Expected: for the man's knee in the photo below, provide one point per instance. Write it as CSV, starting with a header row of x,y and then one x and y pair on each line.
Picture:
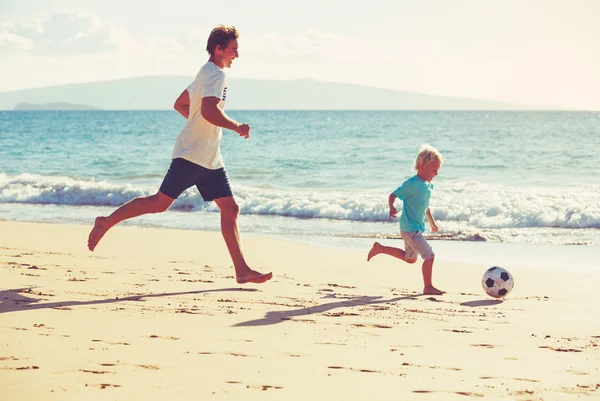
x,y
230,209
161,202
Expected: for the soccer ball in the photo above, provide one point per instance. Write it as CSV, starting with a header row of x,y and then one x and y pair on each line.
x,y
497,282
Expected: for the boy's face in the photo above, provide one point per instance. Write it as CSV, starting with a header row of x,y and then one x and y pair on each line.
x,y
430,170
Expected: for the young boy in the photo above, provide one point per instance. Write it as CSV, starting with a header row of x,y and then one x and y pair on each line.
x,y
415,193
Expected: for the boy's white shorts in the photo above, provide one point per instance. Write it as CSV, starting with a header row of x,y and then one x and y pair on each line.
x,y
416,243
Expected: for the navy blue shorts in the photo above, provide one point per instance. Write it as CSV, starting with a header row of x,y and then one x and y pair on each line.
x,y
183,174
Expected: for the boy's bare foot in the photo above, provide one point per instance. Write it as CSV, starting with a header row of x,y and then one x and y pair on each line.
x,y
431,290
252,276
97,232
375,250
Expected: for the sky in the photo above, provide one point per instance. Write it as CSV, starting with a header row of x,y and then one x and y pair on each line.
x,y
536,52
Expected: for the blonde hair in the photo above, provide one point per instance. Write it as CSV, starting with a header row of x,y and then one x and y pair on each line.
x,y
426,155
220,36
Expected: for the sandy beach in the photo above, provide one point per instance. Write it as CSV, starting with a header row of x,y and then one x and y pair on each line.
x,y
155,314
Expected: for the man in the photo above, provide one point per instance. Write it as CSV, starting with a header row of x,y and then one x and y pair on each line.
x,y
196,159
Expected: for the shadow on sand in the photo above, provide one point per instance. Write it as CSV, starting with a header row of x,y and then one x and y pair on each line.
x,y
482,302
14,301
275,317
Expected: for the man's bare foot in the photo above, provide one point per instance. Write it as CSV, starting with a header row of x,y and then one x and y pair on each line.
x,y
431,290
375,250
252,276
97,232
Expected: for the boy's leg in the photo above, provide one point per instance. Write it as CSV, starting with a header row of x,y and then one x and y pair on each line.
x,y
231,233
427,270
156,203
388,250
418,242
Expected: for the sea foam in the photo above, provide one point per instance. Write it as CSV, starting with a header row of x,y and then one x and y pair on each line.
x,y
475,204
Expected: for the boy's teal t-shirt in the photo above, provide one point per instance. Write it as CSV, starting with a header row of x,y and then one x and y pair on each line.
x,y
414,194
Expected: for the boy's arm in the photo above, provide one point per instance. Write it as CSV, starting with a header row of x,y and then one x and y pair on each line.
x,y
213,114
393,212
182,104
434,227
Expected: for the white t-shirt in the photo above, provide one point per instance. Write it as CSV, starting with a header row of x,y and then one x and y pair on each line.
x,y
199,141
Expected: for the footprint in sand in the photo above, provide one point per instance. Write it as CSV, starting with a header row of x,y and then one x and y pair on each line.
x,y
353,369
339,314
163,338
430,366
560,349
509,378
466,393
193,311
97,372
77,279
577,373
110,343
21,368
262,387
521,393
188,280
149,367
458,331
144,366
103,385
341,286
377,326
226,353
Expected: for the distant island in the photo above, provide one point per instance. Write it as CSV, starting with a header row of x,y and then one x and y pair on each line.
x,y
54,106
160,92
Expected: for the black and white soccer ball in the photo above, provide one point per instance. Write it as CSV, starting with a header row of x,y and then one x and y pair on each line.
x,y
497,282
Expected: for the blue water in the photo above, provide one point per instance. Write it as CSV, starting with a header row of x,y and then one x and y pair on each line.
x,y
517,177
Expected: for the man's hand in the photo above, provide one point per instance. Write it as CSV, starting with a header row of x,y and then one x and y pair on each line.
x,y
243,130
393,212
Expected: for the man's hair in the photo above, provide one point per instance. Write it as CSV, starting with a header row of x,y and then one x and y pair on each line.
x,y
220,36
426,155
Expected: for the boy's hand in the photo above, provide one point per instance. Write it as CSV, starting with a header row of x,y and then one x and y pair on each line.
x,y
393,212
434,228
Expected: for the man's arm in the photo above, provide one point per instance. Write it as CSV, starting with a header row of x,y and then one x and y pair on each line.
x,y
434,227
213,114
182,104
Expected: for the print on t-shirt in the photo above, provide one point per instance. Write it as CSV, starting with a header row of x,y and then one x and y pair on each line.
x,y
224,97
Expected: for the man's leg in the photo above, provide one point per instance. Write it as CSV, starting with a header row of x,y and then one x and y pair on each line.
x,y
389,250
231,233
156,203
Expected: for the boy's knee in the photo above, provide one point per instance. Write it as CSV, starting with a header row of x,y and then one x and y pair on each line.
x,y
411,261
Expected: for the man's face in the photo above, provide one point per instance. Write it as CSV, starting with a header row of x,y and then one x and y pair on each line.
x,y
230,53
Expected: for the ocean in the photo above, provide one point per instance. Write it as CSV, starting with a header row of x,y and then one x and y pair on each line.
x,y
319,176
